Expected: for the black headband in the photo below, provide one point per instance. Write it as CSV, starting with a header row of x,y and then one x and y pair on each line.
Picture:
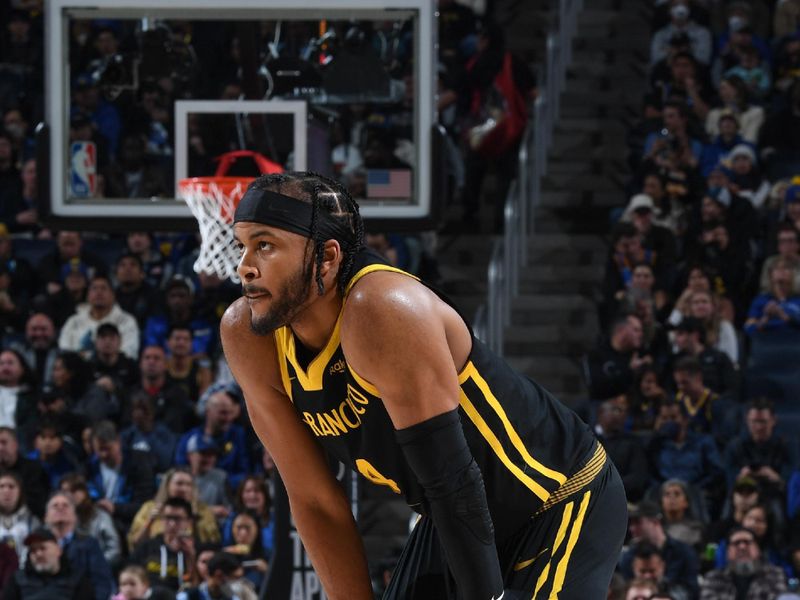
x,y
290,214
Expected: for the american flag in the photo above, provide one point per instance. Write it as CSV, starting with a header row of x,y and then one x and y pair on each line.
x,y
388,183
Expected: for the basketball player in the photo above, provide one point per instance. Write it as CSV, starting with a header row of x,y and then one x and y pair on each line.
x,y
338,351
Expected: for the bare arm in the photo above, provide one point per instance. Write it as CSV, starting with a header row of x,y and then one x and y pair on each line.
x,y
409,344
319,507
387,336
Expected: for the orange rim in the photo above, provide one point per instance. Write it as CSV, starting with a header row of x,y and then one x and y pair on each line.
x,y
234,187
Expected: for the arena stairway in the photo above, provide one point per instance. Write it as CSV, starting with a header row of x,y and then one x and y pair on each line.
x,y
554,318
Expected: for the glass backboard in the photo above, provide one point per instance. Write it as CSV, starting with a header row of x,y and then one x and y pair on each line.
x,y
141,93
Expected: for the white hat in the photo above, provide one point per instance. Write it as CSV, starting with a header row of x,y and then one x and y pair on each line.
x,y
641,201
742,150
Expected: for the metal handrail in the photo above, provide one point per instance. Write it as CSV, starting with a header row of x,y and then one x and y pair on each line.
x,y
510,252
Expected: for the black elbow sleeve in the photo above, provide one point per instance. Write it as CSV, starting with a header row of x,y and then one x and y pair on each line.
x,y
437,452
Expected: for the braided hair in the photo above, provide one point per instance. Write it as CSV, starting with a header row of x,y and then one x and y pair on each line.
x,y
327,195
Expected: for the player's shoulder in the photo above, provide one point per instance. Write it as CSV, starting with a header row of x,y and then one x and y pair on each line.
x,y
236,317
235,329
389,292
385,301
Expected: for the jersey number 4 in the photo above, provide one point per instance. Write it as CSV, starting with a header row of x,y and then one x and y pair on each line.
x,y
371,473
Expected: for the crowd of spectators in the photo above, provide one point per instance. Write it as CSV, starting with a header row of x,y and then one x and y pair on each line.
x,y
695,380
128,467
127,462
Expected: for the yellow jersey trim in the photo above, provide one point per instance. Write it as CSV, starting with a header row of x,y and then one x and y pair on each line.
x,y
371,269
287,384
363,382
527,563
579,480
353,280
561,570
463,376
562,532
495,444
311,380
509,428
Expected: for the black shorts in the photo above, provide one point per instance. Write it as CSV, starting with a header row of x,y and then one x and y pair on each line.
x,y
568,551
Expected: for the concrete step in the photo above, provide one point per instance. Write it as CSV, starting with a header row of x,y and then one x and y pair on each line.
x,y
596,166
591,125
601,40
587,144
600,82
592,17
544,273
554,363
547,301
612,97
565,257
580,199
533,342
581,181
550,333
604,111
553,372
590,64
594,220
541,241
555,315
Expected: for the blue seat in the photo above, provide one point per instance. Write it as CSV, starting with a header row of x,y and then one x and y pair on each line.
x,y
33,250
106,249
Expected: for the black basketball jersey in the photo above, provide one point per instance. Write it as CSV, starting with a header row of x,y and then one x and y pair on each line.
x,y
531,449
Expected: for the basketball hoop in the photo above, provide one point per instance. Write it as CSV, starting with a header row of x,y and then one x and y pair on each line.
x,y
213,201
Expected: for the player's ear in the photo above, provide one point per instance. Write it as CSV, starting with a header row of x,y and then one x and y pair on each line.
x,y
331,257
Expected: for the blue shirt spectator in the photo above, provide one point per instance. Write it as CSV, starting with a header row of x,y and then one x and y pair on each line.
x,y
148,435
678,453
50,452
728,138
89,100
221,412
179,298
119,482
780,307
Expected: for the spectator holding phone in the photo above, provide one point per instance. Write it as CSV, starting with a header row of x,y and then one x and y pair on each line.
x,y
169,557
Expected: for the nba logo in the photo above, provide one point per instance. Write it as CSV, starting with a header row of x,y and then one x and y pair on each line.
x,y
83,169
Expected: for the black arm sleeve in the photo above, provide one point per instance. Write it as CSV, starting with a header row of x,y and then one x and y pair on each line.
x,y
437,452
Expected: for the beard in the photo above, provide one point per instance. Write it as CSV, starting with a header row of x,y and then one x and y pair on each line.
x,y
286,304
47,569
744,568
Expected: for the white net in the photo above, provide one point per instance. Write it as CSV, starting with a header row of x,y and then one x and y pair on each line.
x,y
213,205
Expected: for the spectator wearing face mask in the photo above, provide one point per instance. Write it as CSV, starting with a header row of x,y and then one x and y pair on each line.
x,y
676,452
